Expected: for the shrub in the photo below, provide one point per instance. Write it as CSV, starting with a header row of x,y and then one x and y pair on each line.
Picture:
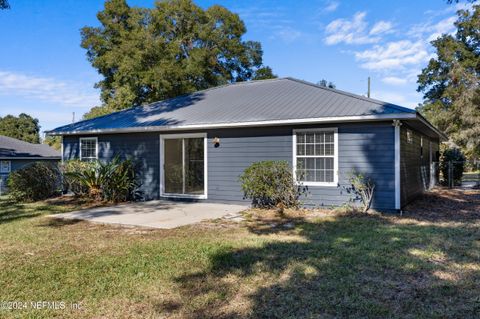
x,y
271,184
110,181
454,172
72,184
364,187
34,182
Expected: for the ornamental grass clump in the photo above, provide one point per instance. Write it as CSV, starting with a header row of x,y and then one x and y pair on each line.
x,y
113,181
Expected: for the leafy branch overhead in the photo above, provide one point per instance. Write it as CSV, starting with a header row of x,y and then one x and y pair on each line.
x,y
146,55
450,83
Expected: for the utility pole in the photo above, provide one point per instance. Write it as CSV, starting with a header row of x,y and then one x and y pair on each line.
x,y
73,117
368,91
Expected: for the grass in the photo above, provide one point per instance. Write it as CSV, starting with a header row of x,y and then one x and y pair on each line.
x,y
302,265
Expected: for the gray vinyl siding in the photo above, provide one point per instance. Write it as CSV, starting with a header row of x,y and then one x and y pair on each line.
x,y
415,169
365,147
142,148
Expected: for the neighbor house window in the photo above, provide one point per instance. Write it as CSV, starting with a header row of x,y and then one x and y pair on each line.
x,y
421,146
409,137
88,149
315,156
5,166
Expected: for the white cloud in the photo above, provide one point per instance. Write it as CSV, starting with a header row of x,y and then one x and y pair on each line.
x,y
356,30
381,27
393,55
393,80
47,89
406,100
331,6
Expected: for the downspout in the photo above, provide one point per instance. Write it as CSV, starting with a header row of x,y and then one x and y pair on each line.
x,y
397,124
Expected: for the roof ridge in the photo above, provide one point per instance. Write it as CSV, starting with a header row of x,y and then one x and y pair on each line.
x,y
353,95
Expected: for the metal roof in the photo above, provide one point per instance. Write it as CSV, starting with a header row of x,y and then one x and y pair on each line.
x,y
270,101
13,148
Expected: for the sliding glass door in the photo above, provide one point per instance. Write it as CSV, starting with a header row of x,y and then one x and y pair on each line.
x,y
183,165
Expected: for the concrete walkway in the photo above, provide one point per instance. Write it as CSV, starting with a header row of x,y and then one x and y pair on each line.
x,y
156,214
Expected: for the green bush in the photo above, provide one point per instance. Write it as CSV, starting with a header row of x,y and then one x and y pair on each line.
x,y
271,184
109,181
34,182
454,156
72,184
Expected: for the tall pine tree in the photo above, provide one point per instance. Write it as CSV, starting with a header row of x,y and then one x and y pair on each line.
x,y
450,83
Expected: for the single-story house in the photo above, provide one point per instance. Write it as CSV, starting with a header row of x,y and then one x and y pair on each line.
x,y
15,154
196,146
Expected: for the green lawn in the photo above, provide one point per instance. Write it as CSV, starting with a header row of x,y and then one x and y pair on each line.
x,y
424,264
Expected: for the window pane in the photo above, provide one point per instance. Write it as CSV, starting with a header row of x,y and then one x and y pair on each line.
x,y
319,137
194,166
300,138
320,175
301,163
310,149
309,175
319,150
310,162
310,138
320,163
329,149
300,149
329,163
329,176
173,167
329,137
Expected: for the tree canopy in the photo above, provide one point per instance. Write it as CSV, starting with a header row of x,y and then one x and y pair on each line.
x,y
450,83
146,55
327,84
24,127
4,5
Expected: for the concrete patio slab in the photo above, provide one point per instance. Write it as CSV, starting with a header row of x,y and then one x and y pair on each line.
x,y
156,214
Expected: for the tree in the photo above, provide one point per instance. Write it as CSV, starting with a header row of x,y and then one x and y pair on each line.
x,y
54,141
24,127
4,5
326,84
450,83
146,55
264,73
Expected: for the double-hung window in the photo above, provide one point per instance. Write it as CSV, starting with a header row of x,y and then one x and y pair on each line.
x,y
5,166
315,156
88,149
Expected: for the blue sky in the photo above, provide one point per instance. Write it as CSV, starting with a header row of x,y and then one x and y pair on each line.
x,y
44,72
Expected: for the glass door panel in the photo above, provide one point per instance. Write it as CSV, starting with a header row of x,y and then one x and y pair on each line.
x,y
194,168
173,168
184,170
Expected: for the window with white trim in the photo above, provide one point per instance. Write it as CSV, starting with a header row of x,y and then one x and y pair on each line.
x,y
88,149
5,166
315,156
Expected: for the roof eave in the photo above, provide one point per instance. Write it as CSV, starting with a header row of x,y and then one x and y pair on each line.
x,y
441,135
339,119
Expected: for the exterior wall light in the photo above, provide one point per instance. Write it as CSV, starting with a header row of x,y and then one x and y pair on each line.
x,y
216,142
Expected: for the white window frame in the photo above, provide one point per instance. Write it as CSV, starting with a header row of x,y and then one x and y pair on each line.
x,y
163,137
9,167
335,156
96,147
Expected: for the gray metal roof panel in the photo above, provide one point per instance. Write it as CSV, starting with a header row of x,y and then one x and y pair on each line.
x,y
13,148
267,100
